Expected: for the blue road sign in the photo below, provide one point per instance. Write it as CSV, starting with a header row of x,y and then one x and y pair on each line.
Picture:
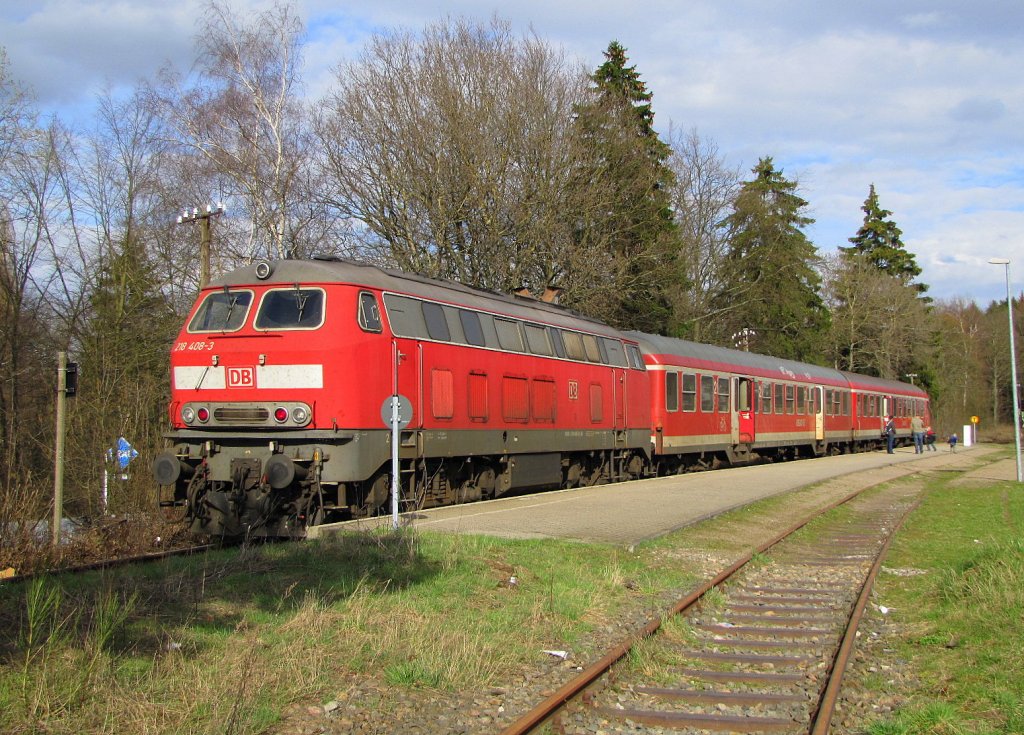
x,y
125,453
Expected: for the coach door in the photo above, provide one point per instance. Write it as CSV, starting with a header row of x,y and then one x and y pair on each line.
x,y
819,413
742,411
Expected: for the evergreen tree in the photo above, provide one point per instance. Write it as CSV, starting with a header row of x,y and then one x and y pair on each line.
x,y
771,290
878,239
629,167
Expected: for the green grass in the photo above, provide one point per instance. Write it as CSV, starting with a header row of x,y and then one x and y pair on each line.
x,y
962,622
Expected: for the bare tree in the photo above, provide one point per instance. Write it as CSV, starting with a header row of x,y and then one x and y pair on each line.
x,y
455,152
703,193
245,124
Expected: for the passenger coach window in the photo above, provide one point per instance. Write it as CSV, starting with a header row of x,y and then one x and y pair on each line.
x,y
801,395
707,394
766,397
222,311
369,313
291,308
780,392
723,395
671,391
689,392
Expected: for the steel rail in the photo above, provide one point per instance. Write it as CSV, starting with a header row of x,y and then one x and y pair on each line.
x,y
827,702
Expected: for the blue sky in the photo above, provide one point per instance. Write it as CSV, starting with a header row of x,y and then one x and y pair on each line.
x,y
923,99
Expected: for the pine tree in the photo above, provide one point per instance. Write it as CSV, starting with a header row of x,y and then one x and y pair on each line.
x,y
629,168
772,287
878,239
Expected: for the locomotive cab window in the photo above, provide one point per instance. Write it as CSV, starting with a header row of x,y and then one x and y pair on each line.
x,y
369,312
291,308
221,311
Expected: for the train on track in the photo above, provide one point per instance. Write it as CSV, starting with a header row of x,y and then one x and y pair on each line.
x,y
282,377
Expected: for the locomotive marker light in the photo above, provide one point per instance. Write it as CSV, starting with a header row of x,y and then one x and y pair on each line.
x,y
1013,363
396,412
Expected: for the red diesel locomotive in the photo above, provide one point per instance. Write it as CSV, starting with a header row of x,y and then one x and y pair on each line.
x,y
282,372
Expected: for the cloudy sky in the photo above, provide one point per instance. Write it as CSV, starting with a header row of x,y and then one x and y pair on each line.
x,y
925,100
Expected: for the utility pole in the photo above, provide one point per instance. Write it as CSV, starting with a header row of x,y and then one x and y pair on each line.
x,y
204,236
58,459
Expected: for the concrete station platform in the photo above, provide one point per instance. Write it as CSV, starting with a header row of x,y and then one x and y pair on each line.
x,y
627,513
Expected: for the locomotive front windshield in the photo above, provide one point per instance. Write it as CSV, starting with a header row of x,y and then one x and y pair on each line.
x,y
223,311
291,308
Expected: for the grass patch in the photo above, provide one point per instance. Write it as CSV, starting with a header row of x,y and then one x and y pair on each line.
x,y
226,642
962,622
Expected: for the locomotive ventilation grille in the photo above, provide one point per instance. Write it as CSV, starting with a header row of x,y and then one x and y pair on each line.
x,y
242,414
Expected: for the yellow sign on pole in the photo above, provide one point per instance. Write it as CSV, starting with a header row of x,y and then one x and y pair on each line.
x,y
975,419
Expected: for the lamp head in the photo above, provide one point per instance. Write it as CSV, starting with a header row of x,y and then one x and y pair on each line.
x,y
999,261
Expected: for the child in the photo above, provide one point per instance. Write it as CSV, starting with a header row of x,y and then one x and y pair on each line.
x,y
929,438
952,442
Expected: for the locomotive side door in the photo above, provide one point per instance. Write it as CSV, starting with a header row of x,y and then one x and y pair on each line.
x,y
619,397
743,411
407,376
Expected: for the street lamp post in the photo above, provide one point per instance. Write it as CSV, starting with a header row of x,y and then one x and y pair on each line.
x,y
1013,363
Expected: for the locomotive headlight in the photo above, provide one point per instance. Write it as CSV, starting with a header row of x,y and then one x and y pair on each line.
x,y
203,414
188,415
300,415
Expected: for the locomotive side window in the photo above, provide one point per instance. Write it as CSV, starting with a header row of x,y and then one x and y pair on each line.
x,y
222,311
613,349
369,313
471,326
509,336
707,394
437,325
689,392
574,345
591,348
636,361
556,341
671,391
405,316
537,339
291,308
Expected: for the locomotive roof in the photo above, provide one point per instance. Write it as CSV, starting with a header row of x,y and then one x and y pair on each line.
x,y
337,270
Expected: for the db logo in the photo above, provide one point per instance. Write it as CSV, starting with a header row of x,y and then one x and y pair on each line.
x,y
241,377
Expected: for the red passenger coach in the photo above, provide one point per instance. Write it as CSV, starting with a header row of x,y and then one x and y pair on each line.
x,y
712,405
281,373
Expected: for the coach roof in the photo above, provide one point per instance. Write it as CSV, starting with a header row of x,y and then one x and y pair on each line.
x,y
336,270
717,358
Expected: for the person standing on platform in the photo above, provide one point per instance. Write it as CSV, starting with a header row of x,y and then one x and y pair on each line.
x,y
917,431
890,435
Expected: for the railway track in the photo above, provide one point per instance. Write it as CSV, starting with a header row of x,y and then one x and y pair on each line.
x,y
765,651
113,563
